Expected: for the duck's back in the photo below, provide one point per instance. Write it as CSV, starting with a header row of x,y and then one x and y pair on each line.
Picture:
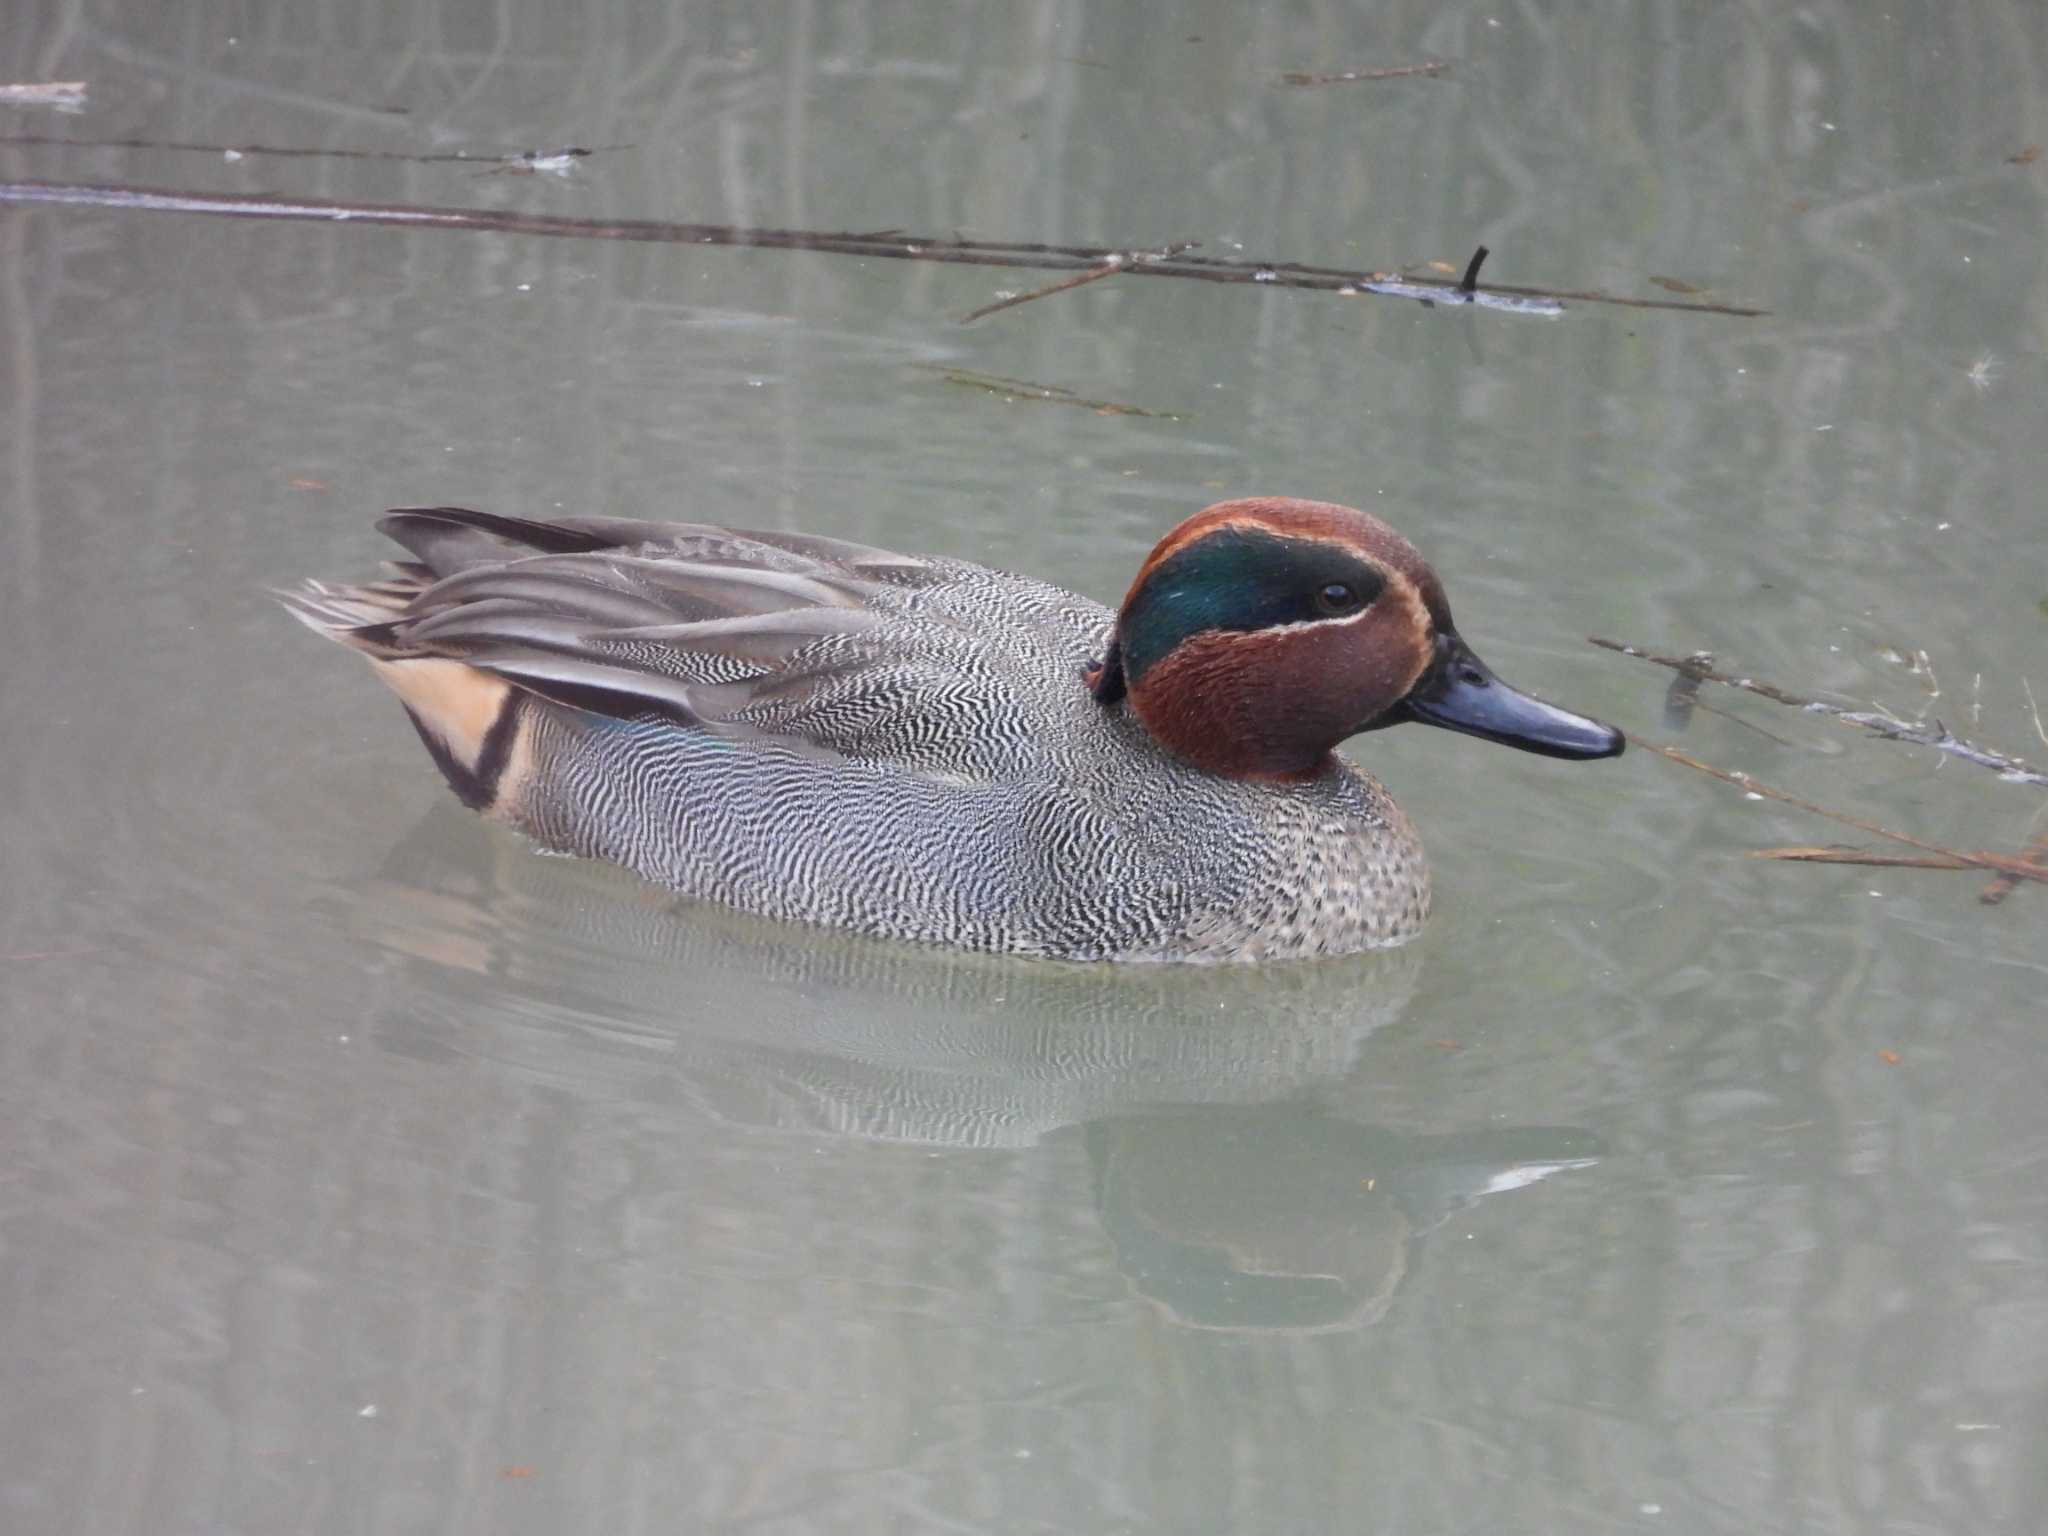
x,y
816,731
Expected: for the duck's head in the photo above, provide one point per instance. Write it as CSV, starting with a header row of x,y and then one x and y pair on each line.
x,y
1260,633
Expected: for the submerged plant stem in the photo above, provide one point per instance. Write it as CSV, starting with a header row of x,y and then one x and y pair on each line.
x,y
1979,859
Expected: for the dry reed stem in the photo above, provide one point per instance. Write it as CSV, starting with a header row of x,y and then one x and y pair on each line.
x,y
1837,855
1978,858
2005,884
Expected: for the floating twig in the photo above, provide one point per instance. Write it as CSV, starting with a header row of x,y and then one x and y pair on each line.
x,y
1840,855
1429,67
62,95
2003,885
1698,666
891,246
526,159
1977,858
1429,293
1505,295
2013,769
1117,262
1092,275
1049,394
1683,697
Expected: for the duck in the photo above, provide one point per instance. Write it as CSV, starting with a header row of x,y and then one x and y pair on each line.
x,y
922,748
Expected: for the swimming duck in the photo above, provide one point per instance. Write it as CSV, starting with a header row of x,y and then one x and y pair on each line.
x,y
927,749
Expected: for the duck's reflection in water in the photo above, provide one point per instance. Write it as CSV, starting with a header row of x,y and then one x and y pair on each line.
x,y
1232,1199
1277,1216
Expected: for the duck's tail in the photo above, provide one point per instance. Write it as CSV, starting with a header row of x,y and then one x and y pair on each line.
x,y
354,613
470,721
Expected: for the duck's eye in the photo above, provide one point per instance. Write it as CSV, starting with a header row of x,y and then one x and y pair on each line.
x,y
1337,597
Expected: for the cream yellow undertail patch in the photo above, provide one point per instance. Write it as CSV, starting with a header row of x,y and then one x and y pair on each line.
x,y
455,701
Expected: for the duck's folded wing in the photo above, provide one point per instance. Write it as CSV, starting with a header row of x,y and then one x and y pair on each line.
x,y
811,642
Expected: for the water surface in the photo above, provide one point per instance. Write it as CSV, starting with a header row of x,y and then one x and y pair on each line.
x,y
362,1170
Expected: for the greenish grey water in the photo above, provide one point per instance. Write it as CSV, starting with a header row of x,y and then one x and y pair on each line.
x,y
361,1170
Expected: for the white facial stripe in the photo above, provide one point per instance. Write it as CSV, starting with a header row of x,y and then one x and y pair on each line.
x,y
1398,589
1336,621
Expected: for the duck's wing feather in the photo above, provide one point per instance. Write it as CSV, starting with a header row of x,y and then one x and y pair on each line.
x,y
818,643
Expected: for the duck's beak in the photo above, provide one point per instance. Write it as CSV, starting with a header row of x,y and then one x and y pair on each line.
x,y
1460,693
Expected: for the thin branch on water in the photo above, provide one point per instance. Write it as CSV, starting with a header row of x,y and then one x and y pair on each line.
x,y
1429,67
1117,262
1938,736
1698,667
2003,885
1092,275
1683,697
515,158
888,245
1837,855
1048,394
1997,862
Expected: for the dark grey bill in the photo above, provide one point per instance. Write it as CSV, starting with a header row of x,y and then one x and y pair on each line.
x,y
1460,693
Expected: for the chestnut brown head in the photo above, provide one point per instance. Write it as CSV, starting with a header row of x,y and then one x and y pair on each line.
x,y
1260,633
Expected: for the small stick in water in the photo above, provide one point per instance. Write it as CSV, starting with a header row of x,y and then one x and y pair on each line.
x,y
1117,262
1505,298
527,159
1837,855
1050,394
1998,862
1429,67
2014,770
2005,884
